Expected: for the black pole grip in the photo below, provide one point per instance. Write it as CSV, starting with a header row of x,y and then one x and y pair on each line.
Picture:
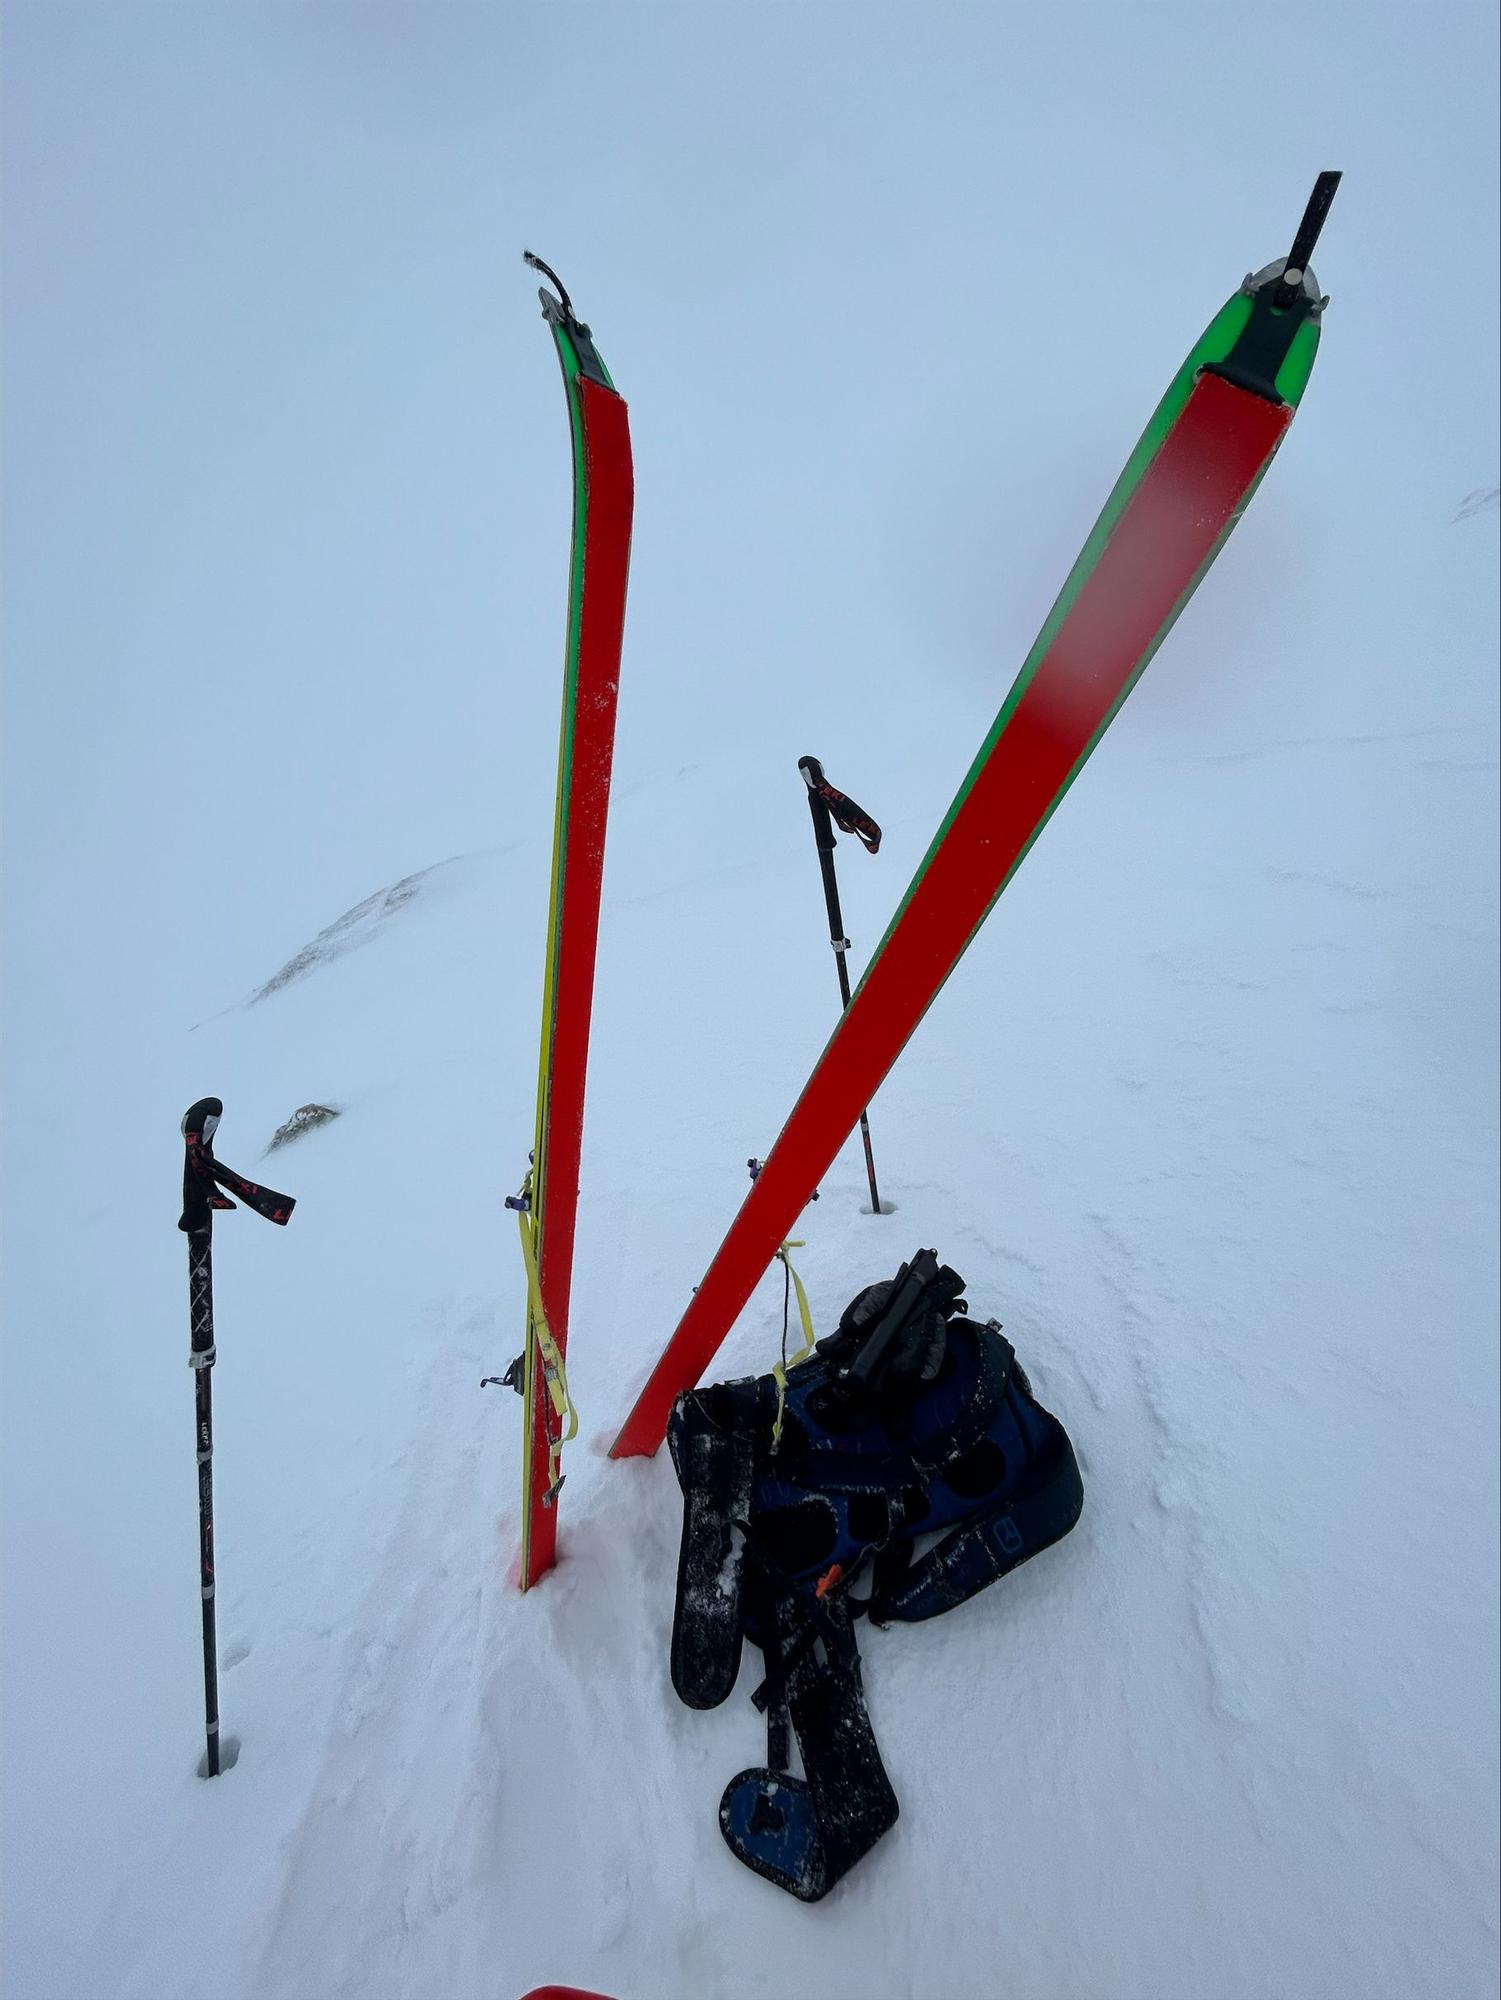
x,y
847,816
201,1119
203,1175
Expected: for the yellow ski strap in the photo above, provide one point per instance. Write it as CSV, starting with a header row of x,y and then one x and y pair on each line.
x,y
779,1372
553,1372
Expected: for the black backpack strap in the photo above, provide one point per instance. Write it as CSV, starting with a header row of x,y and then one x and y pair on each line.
x,y
981,1551
805,1833
776,1660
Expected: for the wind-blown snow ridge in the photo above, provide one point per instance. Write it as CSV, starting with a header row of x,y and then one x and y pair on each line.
x,y
356,927
1481,501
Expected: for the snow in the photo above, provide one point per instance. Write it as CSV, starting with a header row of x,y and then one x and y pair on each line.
x,y
1207,1117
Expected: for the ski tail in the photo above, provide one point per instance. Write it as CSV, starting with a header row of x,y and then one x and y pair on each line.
x,y
598,568
1183,489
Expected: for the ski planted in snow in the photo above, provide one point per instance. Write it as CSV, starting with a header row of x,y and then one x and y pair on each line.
x,y
1183,489
547,1205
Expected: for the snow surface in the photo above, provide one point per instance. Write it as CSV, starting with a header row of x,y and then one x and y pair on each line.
x,y
1207,1117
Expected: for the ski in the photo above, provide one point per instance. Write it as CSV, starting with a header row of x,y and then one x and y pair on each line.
x,y
1184,487
548,1204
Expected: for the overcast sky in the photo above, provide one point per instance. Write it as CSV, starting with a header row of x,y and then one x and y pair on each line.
x,y
890,290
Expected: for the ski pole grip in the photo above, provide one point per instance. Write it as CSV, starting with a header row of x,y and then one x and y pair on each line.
x,y
828,802
823,825
199,1123
204,1176
201,1120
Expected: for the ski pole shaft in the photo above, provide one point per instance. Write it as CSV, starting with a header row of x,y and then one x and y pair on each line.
x,y
201,1320
823,835
202,1177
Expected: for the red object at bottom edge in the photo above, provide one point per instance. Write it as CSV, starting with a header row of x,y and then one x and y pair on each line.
x,y
562,1993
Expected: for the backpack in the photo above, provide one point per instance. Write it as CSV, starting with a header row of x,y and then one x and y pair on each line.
x,y
907,1455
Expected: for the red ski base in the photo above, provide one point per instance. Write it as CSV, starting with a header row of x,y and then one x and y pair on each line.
x,y
562,1993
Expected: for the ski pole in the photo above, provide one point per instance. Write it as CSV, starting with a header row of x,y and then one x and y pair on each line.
x,y
202,1178
829,805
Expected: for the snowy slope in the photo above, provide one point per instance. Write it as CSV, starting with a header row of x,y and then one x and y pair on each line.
x,y
1207,1117
1196,1157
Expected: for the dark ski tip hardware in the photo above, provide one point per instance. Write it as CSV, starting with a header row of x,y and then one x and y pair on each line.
x,y
558,312
1283,297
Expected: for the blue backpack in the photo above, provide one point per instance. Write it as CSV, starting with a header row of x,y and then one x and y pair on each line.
x,y
908,1458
